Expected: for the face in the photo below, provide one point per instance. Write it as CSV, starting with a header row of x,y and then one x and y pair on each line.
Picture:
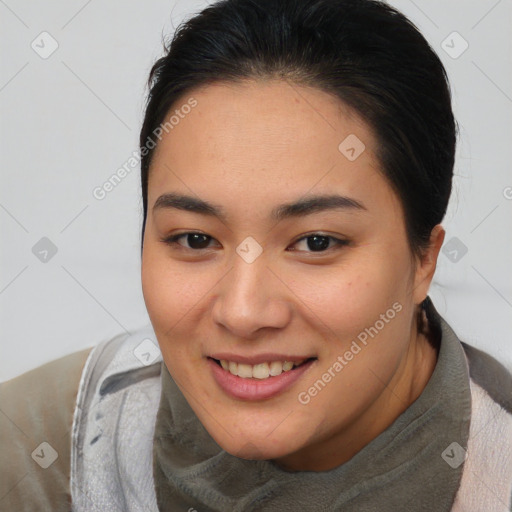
x,y
287,263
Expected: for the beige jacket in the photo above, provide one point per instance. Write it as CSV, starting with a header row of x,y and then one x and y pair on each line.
x,y
37,408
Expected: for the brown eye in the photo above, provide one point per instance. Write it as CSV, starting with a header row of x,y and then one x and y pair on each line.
x,y
195,241
320,243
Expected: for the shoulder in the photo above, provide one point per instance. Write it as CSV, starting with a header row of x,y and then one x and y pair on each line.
x,y
44,416
36,414
112,437
490,375
487,476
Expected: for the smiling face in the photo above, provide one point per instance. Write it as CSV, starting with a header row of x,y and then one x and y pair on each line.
x,y
298,250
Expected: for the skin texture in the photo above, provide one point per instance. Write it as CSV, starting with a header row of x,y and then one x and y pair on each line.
x,y
249,147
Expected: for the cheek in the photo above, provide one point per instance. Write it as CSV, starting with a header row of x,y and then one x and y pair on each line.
x,y
351,297
170,291
178,299
168,301
358,365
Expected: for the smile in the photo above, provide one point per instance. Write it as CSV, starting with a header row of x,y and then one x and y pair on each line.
x,y
258,371
259,381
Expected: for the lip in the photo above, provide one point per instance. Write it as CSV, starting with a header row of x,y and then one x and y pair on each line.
x,y
260,358
257,389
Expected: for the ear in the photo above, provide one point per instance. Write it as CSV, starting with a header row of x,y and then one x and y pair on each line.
x,y
426,265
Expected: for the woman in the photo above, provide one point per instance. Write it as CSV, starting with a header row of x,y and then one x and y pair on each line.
x,y
297,160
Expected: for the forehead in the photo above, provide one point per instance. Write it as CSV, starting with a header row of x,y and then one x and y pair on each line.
x,y
264,141
278,115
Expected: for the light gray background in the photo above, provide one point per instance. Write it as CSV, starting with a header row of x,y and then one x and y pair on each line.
x,y
69,121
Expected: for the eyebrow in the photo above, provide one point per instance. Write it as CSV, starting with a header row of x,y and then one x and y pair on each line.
x,y
300,208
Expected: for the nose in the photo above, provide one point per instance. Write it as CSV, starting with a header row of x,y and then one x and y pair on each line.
x,y
250,299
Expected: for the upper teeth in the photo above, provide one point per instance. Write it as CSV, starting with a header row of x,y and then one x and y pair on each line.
x,y
258,371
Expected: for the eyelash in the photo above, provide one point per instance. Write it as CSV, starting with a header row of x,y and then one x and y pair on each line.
x,y
173,241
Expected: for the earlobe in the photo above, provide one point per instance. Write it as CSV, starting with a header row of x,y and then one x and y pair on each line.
x,y
427,264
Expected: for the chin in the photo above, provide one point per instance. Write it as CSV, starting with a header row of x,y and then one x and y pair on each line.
x,y
257,450
256,445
